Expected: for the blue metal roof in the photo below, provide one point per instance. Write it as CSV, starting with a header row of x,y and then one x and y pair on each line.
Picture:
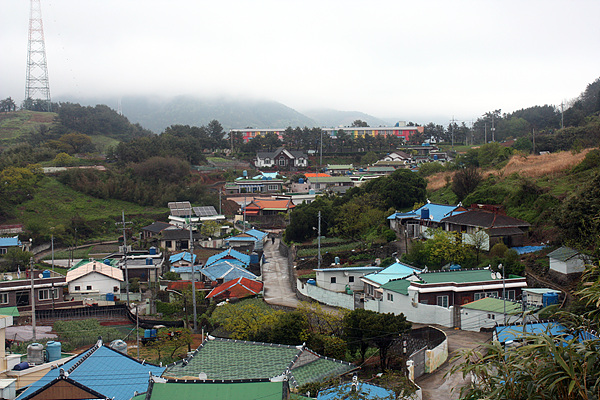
x,y
436,212
397,270
364,390
10,241
186,270
512,332
184,255
106,371
243,258
227,271
257,234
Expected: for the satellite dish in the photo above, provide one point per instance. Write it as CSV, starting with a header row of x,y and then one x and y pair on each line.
x,y
10,277
498,275
40,275
493,275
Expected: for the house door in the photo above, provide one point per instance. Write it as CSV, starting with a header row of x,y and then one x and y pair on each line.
x,y
22,298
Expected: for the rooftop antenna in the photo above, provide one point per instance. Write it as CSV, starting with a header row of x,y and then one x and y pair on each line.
x,y
36,83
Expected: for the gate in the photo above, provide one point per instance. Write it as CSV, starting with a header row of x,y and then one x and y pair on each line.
x,y
418,358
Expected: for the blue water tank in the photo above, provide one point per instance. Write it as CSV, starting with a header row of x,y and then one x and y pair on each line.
x,y
147,333
245,173
21,366
549,299
54,350
254,258
337,260
311,282
301,180
311,191
153,332
45,274
149,261
152,251
107,261
435,157
455,267
110,297
424,213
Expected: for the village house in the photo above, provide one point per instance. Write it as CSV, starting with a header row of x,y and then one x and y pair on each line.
x,y
484,226
337,184
344,278
94,278
488,312
281,158
15,290
7,243
419,223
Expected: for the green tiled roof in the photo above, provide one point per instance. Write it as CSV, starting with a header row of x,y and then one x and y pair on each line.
x,y
398,286
221,391
14,311
229,359
493,304
463,276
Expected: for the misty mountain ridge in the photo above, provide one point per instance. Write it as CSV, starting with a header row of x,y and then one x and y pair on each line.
x,y
156,114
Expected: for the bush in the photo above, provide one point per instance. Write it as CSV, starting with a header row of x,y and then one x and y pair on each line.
x,y
498,250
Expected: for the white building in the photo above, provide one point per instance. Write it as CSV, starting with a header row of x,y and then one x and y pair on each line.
x,y
565,260
338,279
96,278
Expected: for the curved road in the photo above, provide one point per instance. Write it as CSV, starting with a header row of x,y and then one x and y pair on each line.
x,y
276,277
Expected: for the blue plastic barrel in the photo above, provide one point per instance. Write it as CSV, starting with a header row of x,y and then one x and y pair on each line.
x,y
110,297
153,332
147,333
45,274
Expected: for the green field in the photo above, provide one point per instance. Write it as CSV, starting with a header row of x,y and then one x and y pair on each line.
x,y
13,125
55,204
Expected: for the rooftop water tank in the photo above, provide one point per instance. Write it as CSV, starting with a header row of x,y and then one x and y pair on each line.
x,y
119,346
35,353
245,173
53,350
152,251
106,261
337,260
424,213
45,274
301,180
148,261
549,298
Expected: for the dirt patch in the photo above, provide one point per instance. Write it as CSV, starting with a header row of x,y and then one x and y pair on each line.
x,y
533,166
42,118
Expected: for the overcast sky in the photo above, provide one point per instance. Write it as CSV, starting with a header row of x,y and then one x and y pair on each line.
x,y
410,60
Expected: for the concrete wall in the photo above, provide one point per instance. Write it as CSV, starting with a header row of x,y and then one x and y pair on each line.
x,y
326,296
435,357
571,266
414,312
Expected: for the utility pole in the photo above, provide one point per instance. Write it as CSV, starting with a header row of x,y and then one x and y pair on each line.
x,y
36,82
52,240
321,157
32,299
503,291
493,128
452,130
319,242
124,224
190,226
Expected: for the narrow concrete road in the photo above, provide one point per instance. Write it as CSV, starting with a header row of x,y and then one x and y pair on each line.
x,y
437,386
275,274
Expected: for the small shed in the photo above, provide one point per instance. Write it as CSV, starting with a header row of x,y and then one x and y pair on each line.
x,y
566,261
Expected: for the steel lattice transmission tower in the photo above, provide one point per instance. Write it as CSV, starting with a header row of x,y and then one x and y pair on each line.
x,y
37,85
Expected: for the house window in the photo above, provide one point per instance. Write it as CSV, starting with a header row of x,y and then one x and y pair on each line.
x,y
3,250
482,295
510,294
3,298
442,301
333,280
47,294
282,162
267,160
88,287
350,279
77,288
168,244
272,187
491,316
115,289
390,297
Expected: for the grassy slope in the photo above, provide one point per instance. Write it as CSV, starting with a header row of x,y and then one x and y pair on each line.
x,y
55,203
15,124
551,173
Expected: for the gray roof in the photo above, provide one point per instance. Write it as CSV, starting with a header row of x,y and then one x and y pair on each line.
x,y
563,253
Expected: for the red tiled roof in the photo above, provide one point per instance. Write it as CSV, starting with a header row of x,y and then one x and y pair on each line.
x,y
237,288
316,175
273,204
180,285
